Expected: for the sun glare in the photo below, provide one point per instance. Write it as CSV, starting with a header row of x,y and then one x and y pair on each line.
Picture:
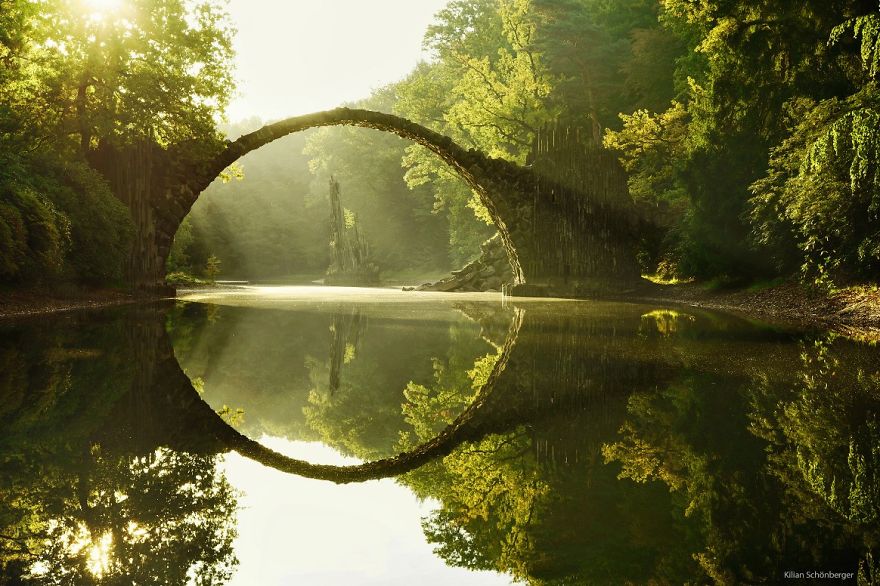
x,y
98,561
99,9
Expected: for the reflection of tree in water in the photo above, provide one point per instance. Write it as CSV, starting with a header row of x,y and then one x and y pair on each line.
x,y
776,474
359,411
74,511
505,505
827,433
717,474
730,473
342,407
824,430
345,332
162,518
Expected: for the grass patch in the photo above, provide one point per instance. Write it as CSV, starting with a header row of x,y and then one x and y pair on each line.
x,y
663,280
181,279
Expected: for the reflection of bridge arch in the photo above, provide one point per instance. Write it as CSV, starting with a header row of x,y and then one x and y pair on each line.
x,y
202,420
595,364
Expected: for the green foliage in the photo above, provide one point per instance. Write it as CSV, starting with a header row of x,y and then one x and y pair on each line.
x,y
750,64
495,93
72,81
398,223
830,434
147,68
818,206
867,29
821,194
32,235
100,225
179,258
212,267
60,220
76,505
184,279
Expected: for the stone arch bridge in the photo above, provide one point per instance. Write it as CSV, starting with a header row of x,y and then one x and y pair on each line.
x,y
567,231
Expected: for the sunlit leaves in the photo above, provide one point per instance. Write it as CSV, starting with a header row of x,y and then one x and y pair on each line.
x,y
829,440
489,89
158,68
867,30
824,186
167,517
649,146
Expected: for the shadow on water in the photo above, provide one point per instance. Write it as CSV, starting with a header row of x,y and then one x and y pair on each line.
x,y
597,443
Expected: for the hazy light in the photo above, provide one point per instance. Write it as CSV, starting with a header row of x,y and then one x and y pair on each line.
x,y
98,9
99,555
294,530
300,57
103,5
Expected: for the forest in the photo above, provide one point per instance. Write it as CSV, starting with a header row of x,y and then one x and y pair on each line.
x,y
749,133
629,439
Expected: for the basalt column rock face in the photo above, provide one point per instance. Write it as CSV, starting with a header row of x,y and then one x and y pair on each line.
x,y
152,182
491,271
133,174
350,254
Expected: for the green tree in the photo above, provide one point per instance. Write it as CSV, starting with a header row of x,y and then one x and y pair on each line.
x,y
495,94
73,83
397,222
147,68
212,267
818,207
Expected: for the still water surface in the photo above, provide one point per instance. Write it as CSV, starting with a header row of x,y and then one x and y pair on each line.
x,y
543,442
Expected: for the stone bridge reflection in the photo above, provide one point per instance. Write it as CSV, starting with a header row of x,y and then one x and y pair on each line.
x,y
735,425
551,362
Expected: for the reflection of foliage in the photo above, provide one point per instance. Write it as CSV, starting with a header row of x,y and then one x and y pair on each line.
x,y
477,494
359,412
813,496
869,571
162,518
428,410
490,484
71,511
666,321
358,420
501,507
685,437
827,434
234,417
656,444
57,385
664,453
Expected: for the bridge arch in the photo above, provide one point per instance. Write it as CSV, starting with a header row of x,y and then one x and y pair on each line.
x,y
566,221
489,178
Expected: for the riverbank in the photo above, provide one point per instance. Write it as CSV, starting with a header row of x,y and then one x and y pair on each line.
x,y
29,302
853,311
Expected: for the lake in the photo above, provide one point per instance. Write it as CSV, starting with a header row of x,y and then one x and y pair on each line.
x,y
312,435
